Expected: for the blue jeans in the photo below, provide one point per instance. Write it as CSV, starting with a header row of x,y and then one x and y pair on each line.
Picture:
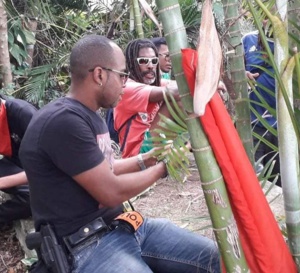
x,y
157,246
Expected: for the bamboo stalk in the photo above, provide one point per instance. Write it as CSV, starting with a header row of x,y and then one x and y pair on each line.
x,y
137,18
238,77
212,181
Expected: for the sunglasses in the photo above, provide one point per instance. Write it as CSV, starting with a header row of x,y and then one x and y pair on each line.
x,y
166,56
146,61
123,75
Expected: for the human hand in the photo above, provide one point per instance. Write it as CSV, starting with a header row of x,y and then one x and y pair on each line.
x,y
251,76
172,88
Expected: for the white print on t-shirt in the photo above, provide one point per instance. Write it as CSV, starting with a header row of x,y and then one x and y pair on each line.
x,y
104,144
252,48
143,116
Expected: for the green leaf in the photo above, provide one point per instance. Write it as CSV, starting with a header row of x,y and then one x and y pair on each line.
x,y
30,38
16,52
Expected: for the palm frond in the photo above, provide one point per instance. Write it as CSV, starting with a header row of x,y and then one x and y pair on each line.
x,y
173,136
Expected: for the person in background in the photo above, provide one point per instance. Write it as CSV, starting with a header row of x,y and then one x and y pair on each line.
x,y
143,98
15,115
164,57
265,85
78,187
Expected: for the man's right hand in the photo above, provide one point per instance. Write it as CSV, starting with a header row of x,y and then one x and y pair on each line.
x,y
251,76
172,88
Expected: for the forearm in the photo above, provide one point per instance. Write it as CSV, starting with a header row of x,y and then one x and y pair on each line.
x,y
129,165
13,180
131,184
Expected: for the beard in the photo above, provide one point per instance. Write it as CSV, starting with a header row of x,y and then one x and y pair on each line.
x,y
147,80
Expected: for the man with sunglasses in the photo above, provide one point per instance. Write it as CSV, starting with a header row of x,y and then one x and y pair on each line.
x,y
164,56
78,188
15,115
143,96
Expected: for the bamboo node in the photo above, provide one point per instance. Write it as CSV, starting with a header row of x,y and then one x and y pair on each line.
x,y
232,238
211,182
169,8
184,95
179,74
175,31
202,149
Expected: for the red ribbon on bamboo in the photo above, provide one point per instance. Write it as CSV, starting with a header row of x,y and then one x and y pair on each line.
x,y
262,242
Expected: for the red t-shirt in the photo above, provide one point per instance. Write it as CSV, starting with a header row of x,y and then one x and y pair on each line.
x,y
135,100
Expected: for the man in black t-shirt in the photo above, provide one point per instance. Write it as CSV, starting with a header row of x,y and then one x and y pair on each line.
x,y
15,115
78,188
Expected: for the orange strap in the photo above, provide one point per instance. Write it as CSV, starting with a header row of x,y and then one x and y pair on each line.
x,y
5,143
134,218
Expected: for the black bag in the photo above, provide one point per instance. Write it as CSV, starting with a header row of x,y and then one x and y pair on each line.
x,y
114,135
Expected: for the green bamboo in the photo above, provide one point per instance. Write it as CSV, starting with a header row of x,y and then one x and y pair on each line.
x,y
137,18
291,184
5,68
287,127
131,18
211,178
238,76
294,43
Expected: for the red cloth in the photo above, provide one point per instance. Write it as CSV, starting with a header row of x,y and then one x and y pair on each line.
x,y
5,142
263,244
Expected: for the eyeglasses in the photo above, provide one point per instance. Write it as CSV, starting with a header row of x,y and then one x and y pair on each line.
x,y
166,55
145,61
123,75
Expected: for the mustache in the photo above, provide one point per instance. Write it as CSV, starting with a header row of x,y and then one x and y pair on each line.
x,y
144,73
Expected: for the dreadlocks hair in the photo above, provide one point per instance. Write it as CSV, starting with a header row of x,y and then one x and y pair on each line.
x,y
132,53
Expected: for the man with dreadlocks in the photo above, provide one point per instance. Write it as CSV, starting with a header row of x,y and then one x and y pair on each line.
x,y
143,97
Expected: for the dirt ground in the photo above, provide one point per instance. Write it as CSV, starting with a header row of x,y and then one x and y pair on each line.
x,y
181,203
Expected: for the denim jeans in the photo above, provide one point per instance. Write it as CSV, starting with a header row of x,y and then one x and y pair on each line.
x,y
157,246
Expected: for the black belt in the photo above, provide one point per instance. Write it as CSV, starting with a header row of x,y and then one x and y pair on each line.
x,y
128,220
97,226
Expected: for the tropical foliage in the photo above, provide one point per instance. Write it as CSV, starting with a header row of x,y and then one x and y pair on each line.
x,y
40,35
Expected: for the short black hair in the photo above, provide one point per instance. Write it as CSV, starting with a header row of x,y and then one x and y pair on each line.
x,y
158,41
90,51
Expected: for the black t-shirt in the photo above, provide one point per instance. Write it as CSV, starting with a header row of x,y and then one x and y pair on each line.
x,y
64,139
19,114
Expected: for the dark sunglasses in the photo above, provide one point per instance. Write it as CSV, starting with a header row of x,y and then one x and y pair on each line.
x,y
145,61
123,75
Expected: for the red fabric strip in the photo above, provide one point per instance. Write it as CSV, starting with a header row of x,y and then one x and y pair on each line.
x,y
263,244
5,142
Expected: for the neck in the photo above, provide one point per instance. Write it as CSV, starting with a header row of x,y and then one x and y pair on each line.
x,y
84,98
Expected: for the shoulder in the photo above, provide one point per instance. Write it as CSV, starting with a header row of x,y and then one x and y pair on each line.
x,y
18,105
133,86
65,115
253,35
